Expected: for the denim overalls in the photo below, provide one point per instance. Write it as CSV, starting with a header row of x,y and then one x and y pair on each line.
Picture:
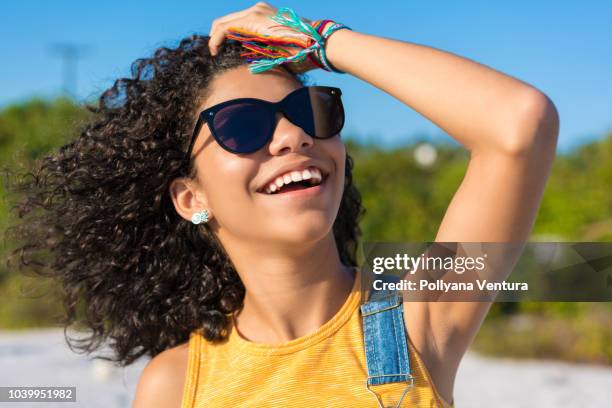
x,y
386,344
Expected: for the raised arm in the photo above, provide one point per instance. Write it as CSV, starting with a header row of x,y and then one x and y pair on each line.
x,y
483,109
510,129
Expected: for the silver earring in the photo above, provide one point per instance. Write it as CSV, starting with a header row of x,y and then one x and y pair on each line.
x,y
200,217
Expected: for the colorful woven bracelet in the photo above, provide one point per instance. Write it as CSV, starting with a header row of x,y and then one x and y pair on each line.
x,y
320,26
266,52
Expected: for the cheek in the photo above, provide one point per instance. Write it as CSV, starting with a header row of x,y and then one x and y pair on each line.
x,y
336,150
224,178
340,160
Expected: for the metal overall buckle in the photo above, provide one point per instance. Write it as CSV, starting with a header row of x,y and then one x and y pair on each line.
x,y
409,380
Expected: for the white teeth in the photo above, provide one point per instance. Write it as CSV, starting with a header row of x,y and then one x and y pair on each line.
x,y
316,174
296,176
312,173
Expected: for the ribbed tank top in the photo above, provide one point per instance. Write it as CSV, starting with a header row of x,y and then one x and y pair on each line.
x,y
324,368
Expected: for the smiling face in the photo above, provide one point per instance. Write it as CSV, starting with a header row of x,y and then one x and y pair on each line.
x,y
236,187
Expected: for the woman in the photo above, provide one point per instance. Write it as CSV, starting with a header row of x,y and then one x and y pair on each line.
x,y
235,267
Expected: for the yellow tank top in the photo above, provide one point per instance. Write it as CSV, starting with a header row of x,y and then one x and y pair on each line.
x,y
324,368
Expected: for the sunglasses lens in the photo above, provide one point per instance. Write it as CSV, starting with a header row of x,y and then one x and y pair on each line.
x,y
317,110
243,128
246,126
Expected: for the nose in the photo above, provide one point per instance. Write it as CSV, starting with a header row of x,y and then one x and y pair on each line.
x,y
288,137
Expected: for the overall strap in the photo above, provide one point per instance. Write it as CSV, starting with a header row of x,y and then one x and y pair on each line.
x,y
386,345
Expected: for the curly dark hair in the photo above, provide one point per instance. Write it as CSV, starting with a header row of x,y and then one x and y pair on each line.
x,y
131,270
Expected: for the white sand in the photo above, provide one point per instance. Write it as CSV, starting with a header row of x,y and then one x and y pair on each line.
x,y
41,358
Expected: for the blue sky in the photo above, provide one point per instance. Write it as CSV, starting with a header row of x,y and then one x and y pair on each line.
x,y
562,47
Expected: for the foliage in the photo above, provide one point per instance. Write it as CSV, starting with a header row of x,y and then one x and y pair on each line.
x,y
567,331
404,202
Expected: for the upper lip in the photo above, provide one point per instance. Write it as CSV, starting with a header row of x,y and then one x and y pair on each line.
x,y
301,165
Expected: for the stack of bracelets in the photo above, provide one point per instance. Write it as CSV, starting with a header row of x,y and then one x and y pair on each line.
x,y
266,51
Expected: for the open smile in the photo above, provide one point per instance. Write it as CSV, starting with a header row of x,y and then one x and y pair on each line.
x,y
307,182
307,178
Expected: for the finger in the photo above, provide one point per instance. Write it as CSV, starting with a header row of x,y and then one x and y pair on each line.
x,y
215,42
259,12
218,29
231,16
256,8
221,30
218,35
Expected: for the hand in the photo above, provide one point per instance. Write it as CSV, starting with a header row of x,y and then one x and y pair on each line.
x,y
257,19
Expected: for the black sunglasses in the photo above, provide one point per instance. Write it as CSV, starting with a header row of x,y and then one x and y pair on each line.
x,y
245,125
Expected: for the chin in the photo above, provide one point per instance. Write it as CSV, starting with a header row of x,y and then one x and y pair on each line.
x,y
308,229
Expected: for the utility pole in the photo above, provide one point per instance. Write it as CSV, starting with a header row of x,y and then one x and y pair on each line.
x,y
70,54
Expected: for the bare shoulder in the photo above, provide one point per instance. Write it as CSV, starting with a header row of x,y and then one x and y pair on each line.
x,y
162,380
